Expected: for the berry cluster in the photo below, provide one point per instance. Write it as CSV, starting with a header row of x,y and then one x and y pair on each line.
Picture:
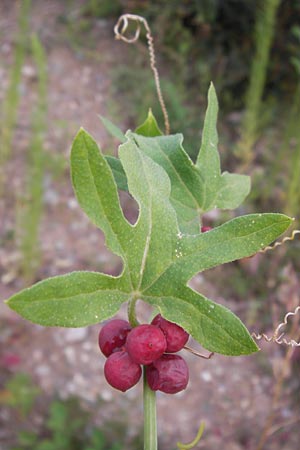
x,y
151,345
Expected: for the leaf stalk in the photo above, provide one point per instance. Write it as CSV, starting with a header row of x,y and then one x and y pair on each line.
x,y
132,312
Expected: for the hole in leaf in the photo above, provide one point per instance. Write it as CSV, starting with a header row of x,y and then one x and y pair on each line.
x,y
129,206
145,312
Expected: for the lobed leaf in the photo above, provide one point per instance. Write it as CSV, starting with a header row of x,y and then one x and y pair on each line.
x,y
118,172
186,182
214,326
153,238
158,258
224,191
96,191
193,192
239,238
77,299
195,189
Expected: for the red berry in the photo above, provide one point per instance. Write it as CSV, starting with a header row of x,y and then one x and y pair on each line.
x,y
121,372
205,229
169,374
145,343
112,336
176,336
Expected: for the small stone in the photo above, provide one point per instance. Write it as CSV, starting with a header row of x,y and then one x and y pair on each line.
x,y
29,72
206,376
70,355
75,334
106,395
72,204
42,370
51,197
8,277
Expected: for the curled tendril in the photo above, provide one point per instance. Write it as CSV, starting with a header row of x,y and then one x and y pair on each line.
x,y
277,244
277,336
195,441
122,25
120,30
194,352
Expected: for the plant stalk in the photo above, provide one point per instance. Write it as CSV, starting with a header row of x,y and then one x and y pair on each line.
x,y
150,424
132,313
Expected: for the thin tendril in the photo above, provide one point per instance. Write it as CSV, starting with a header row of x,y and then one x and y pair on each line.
x,y
277,244
119,30
195,441
278,338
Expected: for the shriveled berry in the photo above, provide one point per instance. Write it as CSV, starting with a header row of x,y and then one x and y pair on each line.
x,y
146,343
205,229
176,336
121,372
112,336
169,374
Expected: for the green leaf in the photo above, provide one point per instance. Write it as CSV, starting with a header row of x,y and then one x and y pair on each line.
x,y
225,191
190,194
239,238
151,246
186,182
113,129
96,191
214,326
232,190
158,259
149,128
195,189
208,156
73,300
118,172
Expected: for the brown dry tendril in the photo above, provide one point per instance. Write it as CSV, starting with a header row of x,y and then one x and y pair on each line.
x,y
120,29
277,336
277,244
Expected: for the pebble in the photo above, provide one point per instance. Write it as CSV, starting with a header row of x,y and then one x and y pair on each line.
x,y
106,395
206,376
79,380
244,404
29,72
42,370
72,335
87,346
72,203
51,197
70,355
6,48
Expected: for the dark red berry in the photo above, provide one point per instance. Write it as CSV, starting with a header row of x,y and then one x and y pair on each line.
x,y
112,336
121,372
205,229
145,343
176,336
169,374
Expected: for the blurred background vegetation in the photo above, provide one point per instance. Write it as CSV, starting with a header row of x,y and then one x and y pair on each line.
x,y
250,49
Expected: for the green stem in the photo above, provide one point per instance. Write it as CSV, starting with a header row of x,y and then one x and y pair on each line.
x,y
150,428
131,312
